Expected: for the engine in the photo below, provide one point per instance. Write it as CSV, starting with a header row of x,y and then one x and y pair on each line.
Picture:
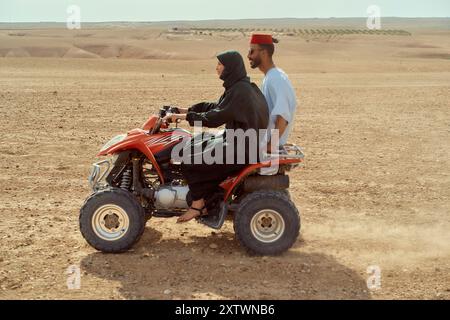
x,y
171,197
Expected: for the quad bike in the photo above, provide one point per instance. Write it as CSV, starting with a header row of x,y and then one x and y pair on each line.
x,y
139,181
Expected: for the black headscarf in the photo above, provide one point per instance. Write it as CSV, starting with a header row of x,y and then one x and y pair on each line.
x,y
234,68
242,106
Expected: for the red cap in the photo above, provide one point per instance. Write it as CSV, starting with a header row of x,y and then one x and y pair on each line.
x,y
261,39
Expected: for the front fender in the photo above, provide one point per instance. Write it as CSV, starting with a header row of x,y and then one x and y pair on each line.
x,y
135,141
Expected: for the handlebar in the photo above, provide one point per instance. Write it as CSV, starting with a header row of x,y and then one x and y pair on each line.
x,y
157,126
162,113
168,109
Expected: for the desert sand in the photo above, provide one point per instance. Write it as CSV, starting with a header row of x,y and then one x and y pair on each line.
x,y
373,118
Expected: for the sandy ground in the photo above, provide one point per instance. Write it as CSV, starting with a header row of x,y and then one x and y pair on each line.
x,y
373,117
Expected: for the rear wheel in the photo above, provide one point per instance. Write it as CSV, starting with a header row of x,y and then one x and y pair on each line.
x,y
112,220
267,222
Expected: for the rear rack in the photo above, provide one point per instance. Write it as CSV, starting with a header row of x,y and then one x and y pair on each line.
x,y
292,152
287,151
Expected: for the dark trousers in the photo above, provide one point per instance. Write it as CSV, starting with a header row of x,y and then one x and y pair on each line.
x,y
203,180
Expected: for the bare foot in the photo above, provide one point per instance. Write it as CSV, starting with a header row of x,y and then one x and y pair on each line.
x,y
190,214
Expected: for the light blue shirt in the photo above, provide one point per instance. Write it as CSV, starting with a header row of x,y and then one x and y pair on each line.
x,y
281,99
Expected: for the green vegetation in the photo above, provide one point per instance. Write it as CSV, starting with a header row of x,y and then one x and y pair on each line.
x,y
303,32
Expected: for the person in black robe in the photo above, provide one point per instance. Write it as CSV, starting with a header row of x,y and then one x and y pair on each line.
x,y
242,106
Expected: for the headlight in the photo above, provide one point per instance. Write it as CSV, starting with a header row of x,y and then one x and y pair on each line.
x,y
113,141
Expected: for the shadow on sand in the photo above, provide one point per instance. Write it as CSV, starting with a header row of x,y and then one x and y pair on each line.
x,y
192,268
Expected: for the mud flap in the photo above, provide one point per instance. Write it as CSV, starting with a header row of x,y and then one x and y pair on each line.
x,y
216,218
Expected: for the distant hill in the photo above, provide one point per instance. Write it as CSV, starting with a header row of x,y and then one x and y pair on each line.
x,y
387,23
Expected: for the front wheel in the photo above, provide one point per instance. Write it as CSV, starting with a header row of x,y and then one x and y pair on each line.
x,y
112,220
267,223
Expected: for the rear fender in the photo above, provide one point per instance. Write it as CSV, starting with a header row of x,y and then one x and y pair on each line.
x,y
232,183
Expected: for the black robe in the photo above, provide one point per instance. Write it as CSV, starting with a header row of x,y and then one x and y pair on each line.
x,y
242,106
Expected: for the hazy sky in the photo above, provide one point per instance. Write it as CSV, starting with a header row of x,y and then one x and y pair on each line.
x,y
160,10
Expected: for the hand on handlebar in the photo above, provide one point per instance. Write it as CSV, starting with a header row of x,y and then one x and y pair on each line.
x,y
171,117
174,110
178,110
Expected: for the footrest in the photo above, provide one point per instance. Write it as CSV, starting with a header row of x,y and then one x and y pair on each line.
x,y
166,214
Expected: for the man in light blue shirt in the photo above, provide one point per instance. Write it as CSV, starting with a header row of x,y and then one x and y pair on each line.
x,y
276,86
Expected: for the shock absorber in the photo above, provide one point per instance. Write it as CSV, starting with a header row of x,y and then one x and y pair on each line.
x,y
126,180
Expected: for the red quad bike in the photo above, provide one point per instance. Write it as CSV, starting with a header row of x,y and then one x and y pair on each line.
x,y
140,181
